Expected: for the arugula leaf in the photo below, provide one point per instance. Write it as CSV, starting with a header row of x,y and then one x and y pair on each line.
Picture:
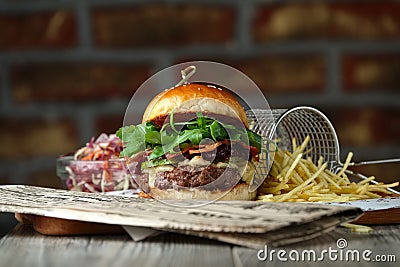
x,y
201,120
157,152
230,127
183,136
236,136
151,126
192,126
175,141
217,132
133,139
195,136
153,137
165,139
154,163
119,133
254,139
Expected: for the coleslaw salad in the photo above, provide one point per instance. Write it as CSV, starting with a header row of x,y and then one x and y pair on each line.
x,y
96,167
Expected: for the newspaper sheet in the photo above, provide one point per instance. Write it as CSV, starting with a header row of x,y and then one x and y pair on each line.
x,y
246,223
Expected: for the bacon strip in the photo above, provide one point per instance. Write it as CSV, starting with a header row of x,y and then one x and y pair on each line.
x,y
206,148
198,149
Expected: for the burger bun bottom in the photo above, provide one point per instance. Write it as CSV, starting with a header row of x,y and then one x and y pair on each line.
x,y
239,192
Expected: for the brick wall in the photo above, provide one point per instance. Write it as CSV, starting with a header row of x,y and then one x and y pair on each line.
x,y
69,68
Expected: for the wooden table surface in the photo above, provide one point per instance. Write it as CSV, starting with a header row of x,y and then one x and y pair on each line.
x,y
24,247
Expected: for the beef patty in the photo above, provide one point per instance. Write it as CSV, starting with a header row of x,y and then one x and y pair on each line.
x,y
188,177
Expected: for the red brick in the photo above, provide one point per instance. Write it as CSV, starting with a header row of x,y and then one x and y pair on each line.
x,y
365,72
369,20
367,127
285,73
23,138
76,81
161,24
109,124
46,29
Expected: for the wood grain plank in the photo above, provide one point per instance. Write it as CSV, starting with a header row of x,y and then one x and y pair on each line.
x,y
389,216
25,247
383,240
113,250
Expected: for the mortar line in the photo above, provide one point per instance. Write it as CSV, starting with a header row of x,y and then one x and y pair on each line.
x,y
6,98
84,25
243,27
333,74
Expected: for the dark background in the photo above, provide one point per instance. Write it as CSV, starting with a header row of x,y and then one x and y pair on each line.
x,y
69,68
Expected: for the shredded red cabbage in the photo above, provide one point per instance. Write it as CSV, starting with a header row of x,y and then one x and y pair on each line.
x,y
97,167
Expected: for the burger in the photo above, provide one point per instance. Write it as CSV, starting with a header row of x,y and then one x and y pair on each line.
x,y
193,143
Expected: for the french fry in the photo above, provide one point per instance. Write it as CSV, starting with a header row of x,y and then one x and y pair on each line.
x,y
293,178
357,228
291,168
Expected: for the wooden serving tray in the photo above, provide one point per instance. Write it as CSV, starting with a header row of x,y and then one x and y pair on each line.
x,y
55,226
388,216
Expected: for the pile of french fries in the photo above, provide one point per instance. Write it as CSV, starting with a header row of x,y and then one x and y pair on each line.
x,y
295,178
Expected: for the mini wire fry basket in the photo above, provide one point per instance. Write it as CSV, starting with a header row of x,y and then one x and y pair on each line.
x,y
298,123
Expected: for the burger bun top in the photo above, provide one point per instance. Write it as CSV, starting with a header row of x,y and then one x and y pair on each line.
x,y
192,98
